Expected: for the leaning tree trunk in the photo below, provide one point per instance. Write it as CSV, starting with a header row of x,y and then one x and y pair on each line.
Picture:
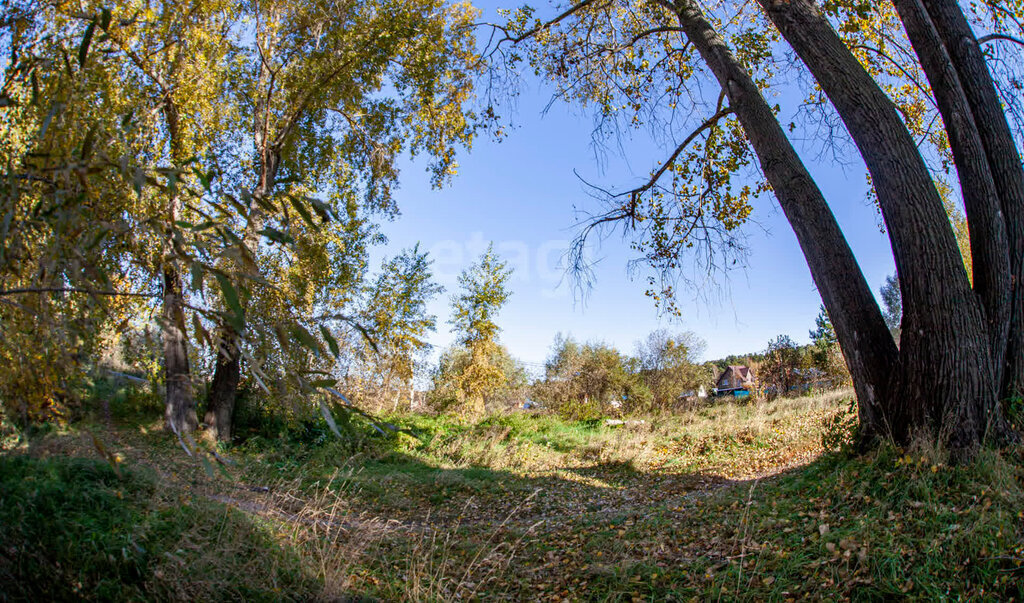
x,y
944,385
989,244
867,345
1003,160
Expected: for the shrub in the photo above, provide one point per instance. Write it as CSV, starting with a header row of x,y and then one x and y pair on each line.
x,y
580,410
839,431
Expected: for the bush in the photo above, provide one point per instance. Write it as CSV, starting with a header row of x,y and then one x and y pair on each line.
x,y
580,410
839,431
255,415
258,415
639,399
124,400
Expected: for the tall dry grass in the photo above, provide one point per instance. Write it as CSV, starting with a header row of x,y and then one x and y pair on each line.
x,y
528,443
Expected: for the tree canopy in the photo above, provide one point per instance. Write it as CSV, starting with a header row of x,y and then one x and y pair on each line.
x,y
222,164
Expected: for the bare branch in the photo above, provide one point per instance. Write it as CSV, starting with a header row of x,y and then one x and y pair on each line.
x,y
998,36
634,194
555,21
902,70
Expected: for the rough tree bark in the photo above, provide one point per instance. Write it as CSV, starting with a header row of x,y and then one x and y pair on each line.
x,y
180,407
989,245
867,345
220,405
1003,160
944,385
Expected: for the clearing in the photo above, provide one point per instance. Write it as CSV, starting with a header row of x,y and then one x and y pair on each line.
x,y
734,501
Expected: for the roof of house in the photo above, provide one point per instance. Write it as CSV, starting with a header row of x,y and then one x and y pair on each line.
x,y
738,369
742,377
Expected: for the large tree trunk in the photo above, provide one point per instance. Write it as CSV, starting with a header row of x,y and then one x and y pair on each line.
x,y
944,387
989,245
1003,160
227,375
867,345
180,407
179,404
220,404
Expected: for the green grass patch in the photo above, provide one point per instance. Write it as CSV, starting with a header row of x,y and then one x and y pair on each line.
x,y
79,529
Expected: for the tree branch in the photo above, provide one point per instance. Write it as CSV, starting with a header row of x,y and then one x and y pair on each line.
x,y
634,194
924,92
998,36
76,290
555,21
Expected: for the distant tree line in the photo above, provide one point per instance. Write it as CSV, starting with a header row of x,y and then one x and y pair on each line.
x,y
665,373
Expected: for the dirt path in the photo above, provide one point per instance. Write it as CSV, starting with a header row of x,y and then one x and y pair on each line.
x,y
554,508
542,502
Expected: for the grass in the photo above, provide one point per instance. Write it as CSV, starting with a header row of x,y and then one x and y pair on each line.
x,y
735,501
885,525
79,528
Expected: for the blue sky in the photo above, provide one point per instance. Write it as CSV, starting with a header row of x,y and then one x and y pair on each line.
x,y
522,194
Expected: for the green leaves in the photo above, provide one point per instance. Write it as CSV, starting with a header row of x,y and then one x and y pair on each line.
x,y
277,236
331,341
329,418
202,335
124,169
475,307
296,202
196,270
304,337
484,292
397,314
236,314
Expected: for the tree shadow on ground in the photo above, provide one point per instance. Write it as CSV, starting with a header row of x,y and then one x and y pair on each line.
x,y
78,528
408,507
408,488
